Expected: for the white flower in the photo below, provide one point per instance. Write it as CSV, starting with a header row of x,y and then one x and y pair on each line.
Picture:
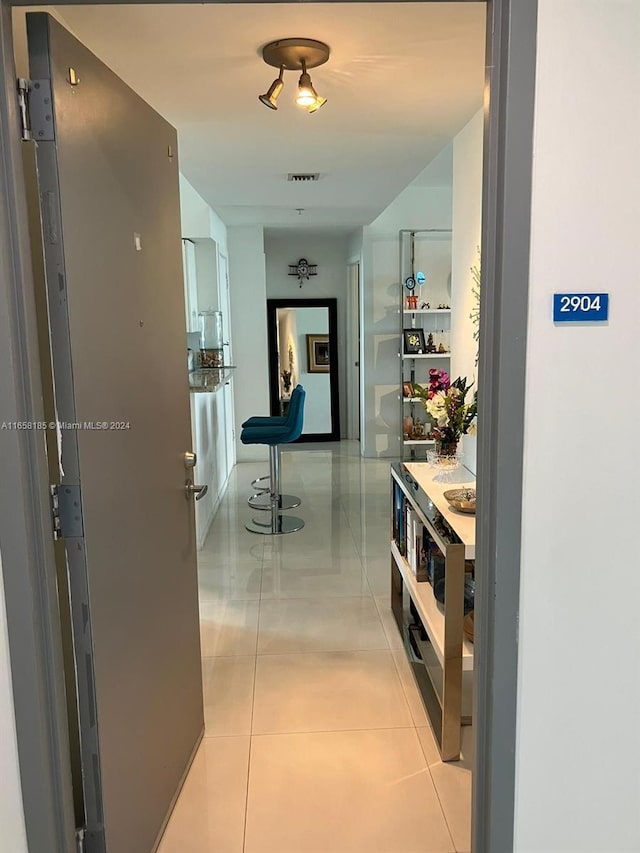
x,y
437,408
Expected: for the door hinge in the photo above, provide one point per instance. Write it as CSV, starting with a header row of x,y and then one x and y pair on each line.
x,y
66,512
23,108
55,508
36,110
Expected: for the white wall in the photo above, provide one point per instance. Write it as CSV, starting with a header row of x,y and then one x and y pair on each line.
x,y
317,407
467,223
578,738
354,245
330,253
14,836
416,207
210,433
249,330
198,218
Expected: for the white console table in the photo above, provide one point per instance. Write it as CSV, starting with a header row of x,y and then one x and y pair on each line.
x,y
440,656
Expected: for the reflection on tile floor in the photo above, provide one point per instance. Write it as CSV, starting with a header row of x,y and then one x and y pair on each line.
x,y
316,739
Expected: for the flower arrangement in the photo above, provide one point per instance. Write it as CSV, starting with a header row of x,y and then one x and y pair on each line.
x,y
446,403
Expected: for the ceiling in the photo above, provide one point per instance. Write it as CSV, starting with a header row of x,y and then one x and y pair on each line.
x,y
401,81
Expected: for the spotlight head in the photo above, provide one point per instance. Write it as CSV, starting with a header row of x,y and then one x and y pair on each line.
x,y
307,95
320,102
270,97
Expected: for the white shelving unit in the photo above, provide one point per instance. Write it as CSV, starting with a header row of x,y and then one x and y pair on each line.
x,y
426,310
432,629
427,251
426,355
430,611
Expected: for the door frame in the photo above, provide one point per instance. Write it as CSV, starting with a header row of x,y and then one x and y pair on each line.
x,y
25,525
354,344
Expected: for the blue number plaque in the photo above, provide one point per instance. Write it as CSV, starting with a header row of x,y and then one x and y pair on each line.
x,y
580,307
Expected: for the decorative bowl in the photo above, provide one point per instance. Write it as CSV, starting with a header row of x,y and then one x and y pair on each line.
x,y
464,500
443,462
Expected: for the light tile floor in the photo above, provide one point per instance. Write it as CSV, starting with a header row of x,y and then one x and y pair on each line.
x,y
316,738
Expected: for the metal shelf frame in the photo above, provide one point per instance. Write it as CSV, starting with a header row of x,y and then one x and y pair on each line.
x,y
408,448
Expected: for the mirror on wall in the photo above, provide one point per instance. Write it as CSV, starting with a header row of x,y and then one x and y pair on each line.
x,y
303,349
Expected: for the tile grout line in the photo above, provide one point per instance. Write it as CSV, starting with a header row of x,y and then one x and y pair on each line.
x,y
435,788
253,704
253,694
340,731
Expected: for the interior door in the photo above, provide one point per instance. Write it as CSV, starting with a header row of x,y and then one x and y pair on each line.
x,y
108,184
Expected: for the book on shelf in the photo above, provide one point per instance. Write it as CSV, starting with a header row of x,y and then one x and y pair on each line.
x,y
416,558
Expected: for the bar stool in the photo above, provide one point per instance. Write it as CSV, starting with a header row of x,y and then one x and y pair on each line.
x,y
273,436
262,497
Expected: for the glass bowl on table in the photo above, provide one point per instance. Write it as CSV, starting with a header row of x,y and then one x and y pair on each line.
x,y
444,461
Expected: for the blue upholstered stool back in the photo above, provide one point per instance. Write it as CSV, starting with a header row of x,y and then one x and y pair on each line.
x,y
295,413
270,433
274,420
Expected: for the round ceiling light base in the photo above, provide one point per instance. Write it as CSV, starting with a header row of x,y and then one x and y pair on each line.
x,y
290,53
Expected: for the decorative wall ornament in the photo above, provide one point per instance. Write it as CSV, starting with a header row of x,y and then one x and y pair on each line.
x,y
303,270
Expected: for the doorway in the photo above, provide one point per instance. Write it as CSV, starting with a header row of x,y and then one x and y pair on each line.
x,y
497,198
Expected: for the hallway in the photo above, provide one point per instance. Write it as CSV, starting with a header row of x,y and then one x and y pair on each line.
x,y
316,740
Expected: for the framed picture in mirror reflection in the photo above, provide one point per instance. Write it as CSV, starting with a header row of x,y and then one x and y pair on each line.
x,y
318,354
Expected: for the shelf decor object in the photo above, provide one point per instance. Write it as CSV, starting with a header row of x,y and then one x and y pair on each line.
x,y
303,270
211,352
464,500
414,343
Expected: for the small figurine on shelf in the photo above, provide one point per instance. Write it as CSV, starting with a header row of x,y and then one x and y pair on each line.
x,y
425,306
286,381
418,429
442,348
407,427
412,302
431,347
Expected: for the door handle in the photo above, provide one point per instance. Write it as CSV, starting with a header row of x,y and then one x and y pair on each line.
x,y
199,491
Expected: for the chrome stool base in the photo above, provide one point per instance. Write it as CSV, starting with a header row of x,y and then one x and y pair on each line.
x,y
279,525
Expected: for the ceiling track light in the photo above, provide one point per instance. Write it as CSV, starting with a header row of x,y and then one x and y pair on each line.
x,y
296,54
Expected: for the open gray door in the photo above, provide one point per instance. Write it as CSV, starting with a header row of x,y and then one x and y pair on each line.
x,y
108,186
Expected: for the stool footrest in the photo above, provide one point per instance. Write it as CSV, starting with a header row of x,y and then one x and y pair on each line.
x,y
263,501
258,483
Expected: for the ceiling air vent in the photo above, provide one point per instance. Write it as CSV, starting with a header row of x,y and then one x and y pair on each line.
x,y
303,177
